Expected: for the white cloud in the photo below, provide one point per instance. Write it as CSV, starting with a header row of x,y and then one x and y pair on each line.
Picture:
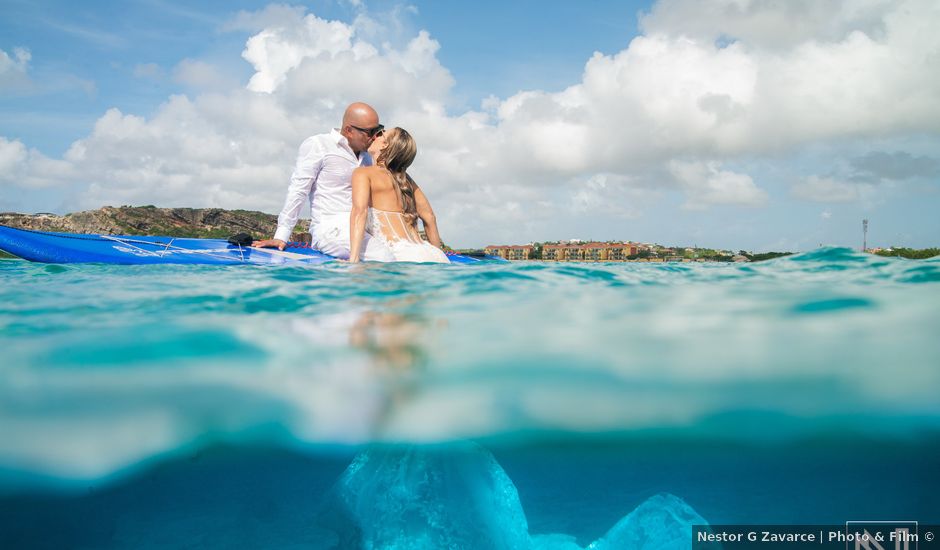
x,y
826,189
18,78
12,157
25,168
277,50
669,94
18,62
273,16
200,75
880,165
611,194
215,151
706,85
13,71
705,183
767,23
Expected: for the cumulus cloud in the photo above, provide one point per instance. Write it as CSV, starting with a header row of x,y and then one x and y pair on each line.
x,y
12,157
897,165
827,189
671,93
706,85
214,151
200,75
767,23
272,16
18,78
28,168
611,194
277,50
235,148
13,71
706,183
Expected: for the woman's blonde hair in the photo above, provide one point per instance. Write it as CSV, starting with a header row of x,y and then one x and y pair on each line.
x,y
396,157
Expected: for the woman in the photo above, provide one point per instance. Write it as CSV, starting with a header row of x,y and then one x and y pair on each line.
x,y
387,203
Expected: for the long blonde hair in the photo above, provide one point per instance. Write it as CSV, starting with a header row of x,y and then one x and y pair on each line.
x,y
397,155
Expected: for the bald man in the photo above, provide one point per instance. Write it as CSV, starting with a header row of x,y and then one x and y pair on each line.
x,y
323,177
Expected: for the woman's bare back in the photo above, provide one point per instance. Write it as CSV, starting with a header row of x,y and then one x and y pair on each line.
x,y
386,217
384,195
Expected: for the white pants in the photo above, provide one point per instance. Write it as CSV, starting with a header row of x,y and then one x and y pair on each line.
x,y
331,236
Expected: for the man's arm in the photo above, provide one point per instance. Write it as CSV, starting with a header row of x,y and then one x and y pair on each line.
x,y
361,195
426,213
302,181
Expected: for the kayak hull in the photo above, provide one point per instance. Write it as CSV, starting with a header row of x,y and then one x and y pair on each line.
x,y
67,248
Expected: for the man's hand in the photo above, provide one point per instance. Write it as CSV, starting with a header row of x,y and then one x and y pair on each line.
x,y
270,243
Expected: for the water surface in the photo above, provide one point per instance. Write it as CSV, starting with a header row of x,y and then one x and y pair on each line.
x,y
240,406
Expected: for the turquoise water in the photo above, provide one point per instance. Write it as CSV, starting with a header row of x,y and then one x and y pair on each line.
x,y
528,404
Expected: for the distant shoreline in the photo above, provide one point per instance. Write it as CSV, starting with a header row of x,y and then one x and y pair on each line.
x,y
622,251
204,223
219,223
616,251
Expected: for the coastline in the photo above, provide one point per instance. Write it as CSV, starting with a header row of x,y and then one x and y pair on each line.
x,y
218,223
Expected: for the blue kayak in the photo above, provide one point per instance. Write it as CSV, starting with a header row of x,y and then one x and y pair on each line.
x,y
67,248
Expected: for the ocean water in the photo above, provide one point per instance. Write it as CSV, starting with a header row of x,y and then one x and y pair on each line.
x,y
523,405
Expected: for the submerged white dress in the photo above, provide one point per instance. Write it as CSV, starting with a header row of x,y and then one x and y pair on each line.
x,y
401,238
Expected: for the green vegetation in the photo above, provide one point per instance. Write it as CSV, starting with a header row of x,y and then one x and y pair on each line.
x,y
216,223
212,223
911,253
208,223
641,255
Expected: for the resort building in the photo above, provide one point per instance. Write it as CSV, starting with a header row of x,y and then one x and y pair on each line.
x,y
592,251
618,252
494,250
511,252
552,252
589,252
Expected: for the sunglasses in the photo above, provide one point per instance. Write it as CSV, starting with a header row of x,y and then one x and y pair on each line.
x,y
371,132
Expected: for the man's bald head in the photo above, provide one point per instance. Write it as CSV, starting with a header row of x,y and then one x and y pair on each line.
x,y
358,119
360,114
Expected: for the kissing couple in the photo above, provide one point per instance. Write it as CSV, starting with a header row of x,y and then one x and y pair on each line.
x,y
363,203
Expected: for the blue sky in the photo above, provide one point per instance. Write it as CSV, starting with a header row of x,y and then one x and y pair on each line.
x,y
727,124
84,59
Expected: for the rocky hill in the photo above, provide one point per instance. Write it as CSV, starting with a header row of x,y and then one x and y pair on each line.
x,y
149,220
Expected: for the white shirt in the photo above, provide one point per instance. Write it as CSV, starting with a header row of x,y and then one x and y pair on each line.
x,y
322,176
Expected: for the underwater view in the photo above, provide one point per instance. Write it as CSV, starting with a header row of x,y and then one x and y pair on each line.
x,y
503,405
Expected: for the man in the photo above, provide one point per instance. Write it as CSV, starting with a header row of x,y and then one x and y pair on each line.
x,y
323,176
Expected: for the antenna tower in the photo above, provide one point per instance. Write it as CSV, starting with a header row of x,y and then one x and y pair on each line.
x,y
864,235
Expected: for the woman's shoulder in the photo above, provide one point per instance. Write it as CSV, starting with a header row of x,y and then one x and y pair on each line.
x,y
367,172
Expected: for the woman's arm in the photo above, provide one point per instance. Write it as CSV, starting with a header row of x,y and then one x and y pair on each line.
x,y
361,195
426,213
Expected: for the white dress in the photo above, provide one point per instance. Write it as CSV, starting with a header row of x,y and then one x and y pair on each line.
x,y
401,238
